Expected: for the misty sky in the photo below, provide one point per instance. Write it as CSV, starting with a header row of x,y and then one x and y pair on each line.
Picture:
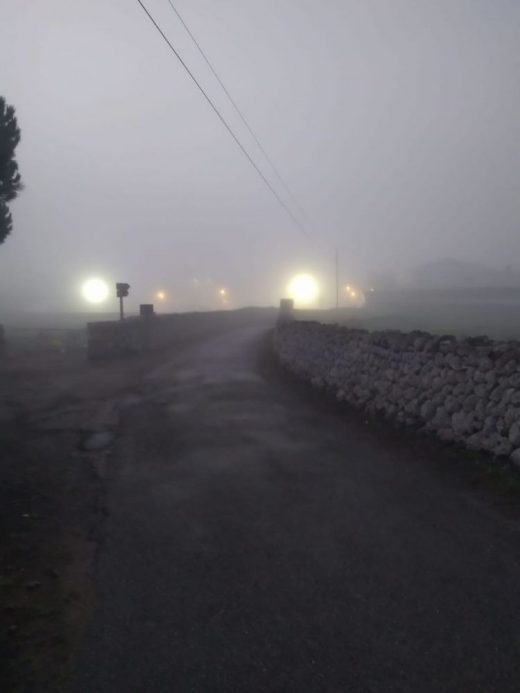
x,y
396,124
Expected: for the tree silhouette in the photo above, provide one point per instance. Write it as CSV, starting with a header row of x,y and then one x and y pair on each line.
x,y
10,180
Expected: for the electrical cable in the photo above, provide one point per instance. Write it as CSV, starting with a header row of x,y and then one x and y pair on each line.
x,y
295,220
238,111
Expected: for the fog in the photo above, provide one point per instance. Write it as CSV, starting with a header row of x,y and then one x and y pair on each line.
x,y
395,124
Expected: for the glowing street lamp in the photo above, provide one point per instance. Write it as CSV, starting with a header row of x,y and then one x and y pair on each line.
x,y
95,290
303,289
160,295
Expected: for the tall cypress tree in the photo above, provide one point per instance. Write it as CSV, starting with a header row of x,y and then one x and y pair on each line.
x,y
10,180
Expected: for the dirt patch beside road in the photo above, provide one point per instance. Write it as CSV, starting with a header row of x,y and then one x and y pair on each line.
x,y
51,503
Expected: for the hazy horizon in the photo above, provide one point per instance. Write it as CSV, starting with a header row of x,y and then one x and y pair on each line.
x,y
395,125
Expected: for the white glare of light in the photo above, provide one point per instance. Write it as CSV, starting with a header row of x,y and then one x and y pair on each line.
x,y
95,290
222,292
161,295
303,288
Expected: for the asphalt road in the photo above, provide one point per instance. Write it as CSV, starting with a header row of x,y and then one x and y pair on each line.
x,y
257,542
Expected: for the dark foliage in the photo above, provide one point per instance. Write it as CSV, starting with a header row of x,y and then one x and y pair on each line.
x,y
10,180
6,221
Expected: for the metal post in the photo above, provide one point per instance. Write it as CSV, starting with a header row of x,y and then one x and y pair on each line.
x,y
121,292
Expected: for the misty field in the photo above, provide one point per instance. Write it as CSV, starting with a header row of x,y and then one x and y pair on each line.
x,y
462,317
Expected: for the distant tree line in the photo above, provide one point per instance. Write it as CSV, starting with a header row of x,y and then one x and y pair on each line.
x,y
10,179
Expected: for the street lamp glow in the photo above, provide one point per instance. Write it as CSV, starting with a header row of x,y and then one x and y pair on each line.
x,y
161,295
222,292
304,289
95,290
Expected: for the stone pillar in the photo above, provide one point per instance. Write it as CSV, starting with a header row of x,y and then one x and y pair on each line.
x,y
286,313
147,315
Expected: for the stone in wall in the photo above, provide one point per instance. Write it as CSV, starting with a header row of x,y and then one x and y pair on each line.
x,y
463,391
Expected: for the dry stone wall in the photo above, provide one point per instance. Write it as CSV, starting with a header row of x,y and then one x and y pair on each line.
x,y
116,339
113,339
465,391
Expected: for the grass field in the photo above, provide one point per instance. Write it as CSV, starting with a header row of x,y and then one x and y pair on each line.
x,y
498,318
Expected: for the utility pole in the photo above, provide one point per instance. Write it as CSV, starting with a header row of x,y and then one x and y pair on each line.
x,y
336,263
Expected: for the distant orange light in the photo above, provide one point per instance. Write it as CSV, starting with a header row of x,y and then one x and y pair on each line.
x,y
161,295
222,292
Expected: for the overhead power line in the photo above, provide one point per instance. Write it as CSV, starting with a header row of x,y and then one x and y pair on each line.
x,y
239,111
224,122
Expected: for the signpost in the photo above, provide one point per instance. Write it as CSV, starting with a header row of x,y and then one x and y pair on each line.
x,y
121,291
